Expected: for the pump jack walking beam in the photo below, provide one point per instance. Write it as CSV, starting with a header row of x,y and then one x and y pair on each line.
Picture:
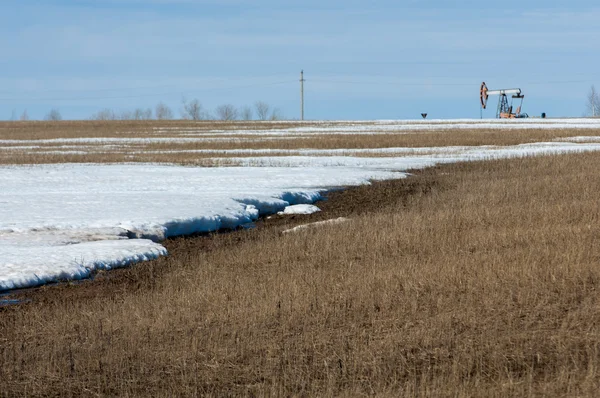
x,y
504,109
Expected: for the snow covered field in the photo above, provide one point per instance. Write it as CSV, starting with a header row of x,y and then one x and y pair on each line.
x,y
64,221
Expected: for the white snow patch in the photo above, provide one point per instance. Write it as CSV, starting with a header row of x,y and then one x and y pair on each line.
x,y
583,138
300,209
317,224
24,265
425,157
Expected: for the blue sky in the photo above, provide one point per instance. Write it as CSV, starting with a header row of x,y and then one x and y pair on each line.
x,y
362,60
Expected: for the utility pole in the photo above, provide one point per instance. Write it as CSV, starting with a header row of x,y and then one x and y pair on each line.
x,y
302,94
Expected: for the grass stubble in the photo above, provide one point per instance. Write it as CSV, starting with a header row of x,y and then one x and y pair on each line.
x,y
471,279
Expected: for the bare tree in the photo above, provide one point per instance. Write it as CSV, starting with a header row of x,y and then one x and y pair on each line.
x,y
262,110
104,114
24,116
13,115
163,112
142,114
227,112
124,115
246,113
593,102
192,110
276,114
54,115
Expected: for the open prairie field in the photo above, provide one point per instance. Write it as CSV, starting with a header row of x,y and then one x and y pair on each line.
x,y
201,143
461,259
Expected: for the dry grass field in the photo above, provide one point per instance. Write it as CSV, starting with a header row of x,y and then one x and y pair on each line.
x,y
472,279
198,143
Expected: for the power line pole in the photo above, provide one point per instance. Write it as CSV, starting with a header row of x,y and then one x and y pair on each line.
x,y
302,94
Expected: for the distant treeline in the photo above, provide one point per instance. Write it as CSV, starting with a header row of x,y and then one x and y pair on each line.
x,y
190,110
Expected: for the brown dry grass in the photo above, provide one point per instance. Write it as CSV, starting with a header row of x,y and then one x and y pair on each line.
x,y
475,279
36,130
214,137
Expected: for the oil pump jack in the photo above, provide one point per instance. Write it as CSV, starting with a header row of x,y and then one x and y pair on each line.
x,y
505,110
